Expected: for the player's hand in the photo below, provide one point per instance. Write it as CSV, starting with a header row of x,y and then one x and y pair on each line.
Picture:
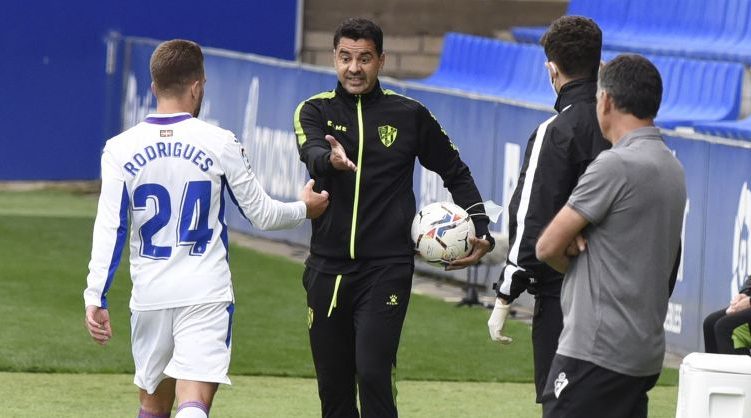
x,y
338,157
497,322
480,247
739,303
316,203
98,323
577,246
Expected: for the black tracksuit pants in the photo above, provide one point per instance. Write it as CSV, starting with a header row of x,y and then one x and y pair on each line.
x,y
355,321
718,331
547,324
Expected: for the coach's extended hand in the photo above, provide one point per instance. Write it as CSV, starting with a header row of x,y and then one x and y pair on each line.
x,y
98,323
338,157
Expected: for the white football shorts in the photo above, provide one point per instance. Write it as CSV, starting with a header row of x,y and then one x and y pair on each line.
x,y
185,343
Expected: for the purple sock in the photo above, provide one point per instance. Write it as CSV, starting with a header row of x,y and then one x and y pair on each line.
x,y
146,414
194,404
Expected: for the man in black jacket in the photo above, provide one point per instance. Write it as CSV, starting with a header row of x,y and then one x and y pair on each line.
x,y
558,152
359,142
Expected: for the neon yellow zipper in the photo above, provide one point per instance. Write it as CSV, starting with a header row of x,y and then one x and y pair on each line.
x,y
361,141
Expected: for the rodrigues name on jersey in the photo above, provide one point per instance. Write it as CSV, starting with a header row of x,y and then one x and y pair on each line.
x,y
169,173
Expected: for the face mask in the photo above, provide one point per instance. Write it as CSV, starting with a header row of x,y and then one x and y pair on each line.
x,y
492,210
551,66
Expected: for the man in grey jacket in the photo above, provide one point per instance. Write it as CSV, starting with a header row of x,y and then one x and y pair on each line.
x,y
617,239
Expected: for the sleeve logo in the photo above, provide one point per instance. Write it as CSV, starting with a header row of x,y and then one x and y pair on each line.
x,y
246,161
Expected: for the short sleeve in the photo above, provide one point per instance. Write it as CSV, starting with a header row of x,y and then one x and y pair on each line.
x,y
599,188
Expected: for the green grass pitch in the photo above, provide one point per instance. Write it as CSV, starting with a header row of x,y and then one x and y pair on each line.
x,y
448,367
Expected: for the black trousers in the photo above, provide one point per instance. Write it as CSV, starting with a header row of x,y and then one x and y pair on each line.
x,y
578,389
547,324
718,330
355,321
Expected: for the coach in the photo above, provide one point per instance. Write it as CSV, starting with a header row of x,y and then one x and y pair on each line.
x,y
359,142
625,216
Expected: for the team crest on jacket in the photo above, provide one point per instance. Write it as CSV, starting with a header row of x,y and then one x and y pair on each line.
x,y
387,133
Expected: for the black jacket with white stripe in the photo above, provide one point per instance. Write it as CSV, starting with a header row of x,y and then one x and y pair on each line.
x,y
558,152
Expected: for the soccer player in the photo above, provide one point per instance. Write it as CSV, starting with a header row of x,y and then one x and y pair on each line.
x,y
360,142
170,173
558,152
624,219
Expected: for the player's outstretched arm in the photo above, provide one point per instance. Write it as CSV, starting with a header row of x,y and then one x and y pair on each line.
x,y
97,322
315,203
257,206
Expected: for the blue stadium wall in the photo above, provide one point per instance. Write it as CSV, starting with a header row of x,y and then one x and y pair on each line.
x,y
55,95
256,98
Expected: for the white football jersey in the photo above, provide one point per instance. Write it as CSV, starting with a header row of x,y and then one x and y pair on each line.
x,y
170,174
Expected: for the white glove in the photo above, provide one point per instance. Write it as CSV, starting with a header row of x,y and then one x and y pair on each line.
x,y
497,321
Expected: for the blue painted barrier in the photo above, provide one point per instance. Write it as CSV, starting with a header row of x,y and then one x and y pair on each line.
x,y
61,64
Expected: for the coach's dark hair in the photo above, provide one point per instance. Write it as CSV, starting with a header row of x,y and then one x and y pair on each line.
x,y
574,43
634,84
356,28
175,65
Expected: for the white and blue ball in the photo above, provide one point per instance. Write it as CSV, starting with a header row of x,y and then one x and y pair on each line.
x,y
441,233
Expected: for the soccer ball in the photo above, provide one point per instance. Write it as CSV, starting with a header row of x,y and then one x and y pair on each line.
x,y
441,233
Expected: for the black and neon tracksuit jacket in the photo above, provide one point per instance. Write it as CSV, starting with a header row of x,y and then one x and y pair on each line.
x,y
558,152
370,212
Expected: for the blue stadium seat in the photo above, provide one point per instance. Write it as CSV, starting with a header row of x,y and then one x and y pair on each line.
x,y
450,63
730,34
465,63
528,34
648,28
607,13
500,62
707,91
701,29
529,79
736,129
493,67
648,31
696,91
736,45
